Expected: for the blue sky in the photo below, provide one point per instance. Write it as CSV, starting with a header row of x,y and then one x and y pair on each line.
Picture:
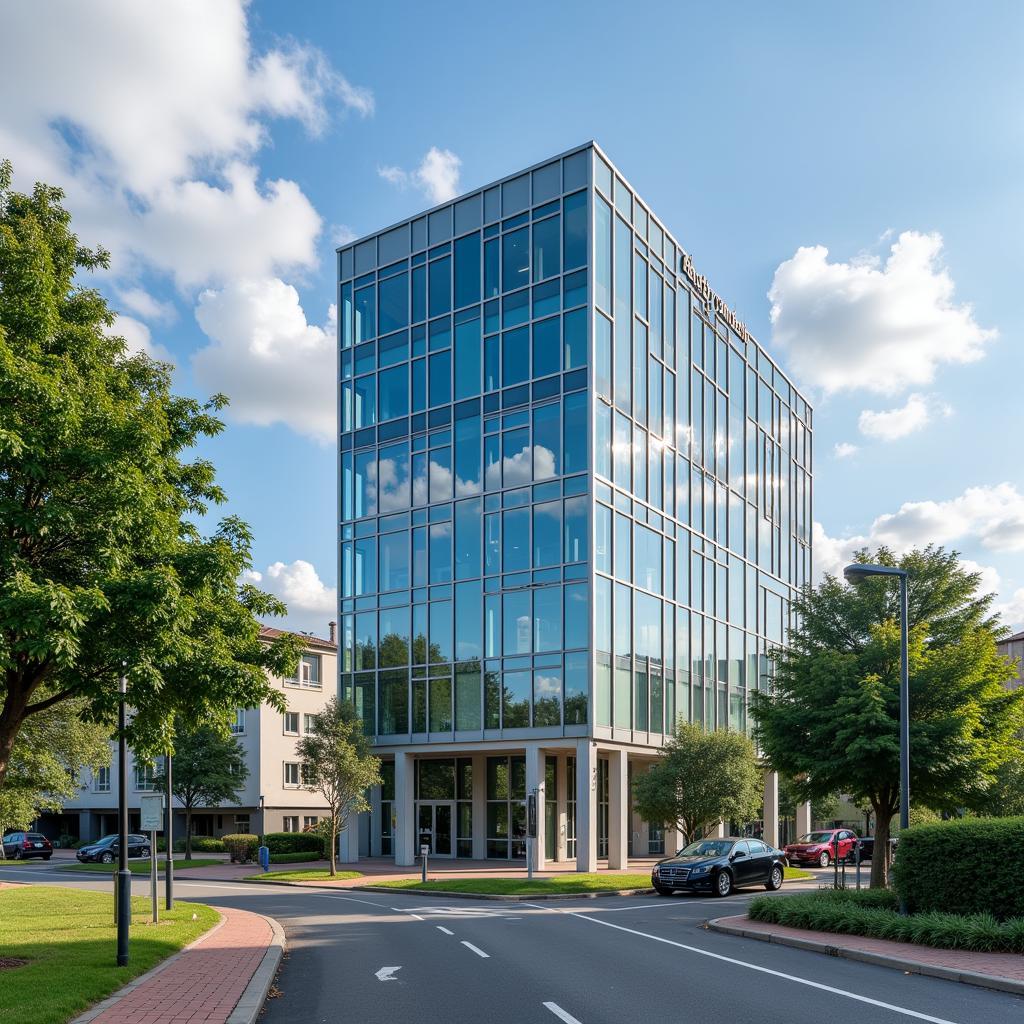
x,y
863,164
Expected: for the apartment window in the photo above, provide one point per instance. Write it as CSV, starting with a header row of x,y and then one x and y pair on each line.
x,y
291,773
291,723
308,723
238,725
306,774
242,824
143,778
308,821
291,823
101,780
309,671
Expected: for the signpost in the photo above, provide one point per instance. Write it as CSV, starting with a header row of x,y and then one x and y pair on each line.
x,y
424,854
531,831
151,820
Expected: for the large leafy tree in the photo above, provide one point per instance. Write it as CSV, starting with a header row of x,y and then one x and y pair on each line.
x,y
701,779
337,764
832,721
208,770
103,569
48,755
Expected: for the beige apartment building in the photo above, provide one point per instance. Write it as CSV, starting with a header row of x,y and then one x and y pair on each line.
x,y
1013,648
273,798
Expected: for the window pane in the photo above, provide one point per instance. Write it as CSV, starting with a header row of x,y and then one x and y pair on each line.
x,y
515,356
441,705
574,329
365,399
547,619
467,456
394,303
365,300
516,623
440,378
547,696
393,392
576,689
440,631
468,621
603,254
394,701
467,697
394,561
516,709
576,529
515,259
623,620
468,531
393,477
440,552
441,474
577,615
467,270
515,529
546,257
577,433
394,637
515,453
576,230
440,286
602,536
468,359
547,534
546,346
547,431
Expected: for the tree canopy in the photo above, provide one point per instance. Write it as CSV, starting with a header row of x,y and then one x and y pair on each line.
x,y
337,764
103,567
703,778
832,721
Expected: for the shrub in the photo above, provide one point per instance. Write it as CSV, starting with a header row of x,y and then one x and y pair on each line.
x,y
242,847
293,842
874,912
300,857
969,866
200,844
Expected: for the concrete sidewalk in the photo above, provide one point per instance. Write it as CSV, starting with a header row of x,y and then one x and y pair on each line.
x,y
1001,971
222,978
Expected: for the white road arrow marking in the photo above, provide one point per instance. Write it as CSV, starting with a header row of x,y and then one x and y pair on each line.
x,y
387,973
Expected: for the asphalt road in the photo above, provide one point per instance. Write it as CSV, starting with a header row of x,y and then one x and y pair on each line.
x,y
600,961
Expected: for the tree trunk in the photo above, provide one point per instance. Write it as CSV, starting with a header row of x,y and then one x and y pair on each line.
x,y
880,857
188,832
334,846
12,714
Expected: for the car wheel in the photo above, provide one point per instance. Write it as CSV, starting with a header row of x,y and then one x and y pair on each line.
x,y
145,851
824,859
107,858
723,884
774,879
662,891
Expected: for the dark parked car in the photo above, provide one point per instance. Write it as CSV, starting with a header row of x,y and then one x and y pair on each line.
x,y
821,847
22,845
719,866
867,848
106,850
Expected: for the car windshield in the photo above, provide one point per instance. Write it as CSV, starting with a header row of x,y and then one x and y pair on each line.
x,y
816,837
707,848
106,841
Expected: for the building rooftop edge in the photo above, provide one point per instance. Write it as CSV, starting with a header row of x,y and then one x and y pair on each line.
x,y
272,632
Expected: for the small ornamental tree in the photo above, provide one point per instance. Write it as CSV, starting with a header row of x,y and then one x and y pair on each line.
x,y
832,721
103,569
337,764
701,779
208,770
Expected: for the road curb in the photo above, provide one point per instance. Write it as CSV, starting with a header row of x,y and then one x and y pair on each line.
x,y
904,964
498,897
248,1007
116,997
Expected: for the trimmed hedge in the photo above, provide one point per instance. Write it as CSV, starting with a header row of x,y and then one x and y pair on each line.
x,y
242,847
302,857
293,842
874,913
967,866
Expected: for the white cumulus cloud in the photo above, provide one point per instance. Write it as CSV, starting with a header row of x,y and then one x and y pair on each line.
x,y
138,338
311,602
437,175
882,327
891,424
843,450
264,355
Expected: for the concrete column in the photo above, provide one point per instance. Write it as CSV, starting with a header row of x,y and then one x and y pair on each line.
x,y
479,806
673,841
405,821
535,785
771,808
348,841
718,832
586,805
803,819
562,804
619,817
375,822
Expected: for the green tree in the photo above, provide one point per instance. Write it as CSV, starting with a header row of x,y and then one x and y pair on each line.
x,y
822,809
1006,797
208,770
102,568
44,766
832,721
701,779
337,764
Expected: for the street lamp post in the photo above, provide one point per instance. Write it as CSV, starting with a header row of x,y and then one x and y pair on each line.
x,y
169,839
856,573
124,878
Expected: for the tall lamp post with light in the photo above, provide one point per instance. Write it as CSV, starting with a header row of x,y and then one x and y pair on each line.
x,y
124,878
857,573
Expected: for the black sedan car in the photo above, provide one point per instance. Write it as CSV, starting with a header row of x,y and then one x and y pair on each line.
x,y
105,851
720,865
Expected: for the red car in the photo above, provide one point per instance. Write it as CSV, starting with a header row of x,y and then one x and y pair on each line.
x,y
820,847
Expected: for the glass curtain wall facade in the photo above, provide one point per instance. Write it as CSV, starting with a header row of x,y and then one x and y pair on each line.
x,y
574,493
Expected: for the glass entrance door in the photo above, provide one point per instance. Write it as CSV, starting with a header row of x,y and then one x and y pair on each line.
x,y
434,820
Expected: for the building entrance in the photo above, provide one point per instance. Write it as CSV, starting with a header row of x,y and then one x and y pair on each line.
x,y
434,820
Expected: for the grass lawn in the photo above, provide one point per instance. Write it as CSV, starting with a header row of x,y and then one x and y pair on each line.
x,y
141,867
68,937
797,874
567,883
318,875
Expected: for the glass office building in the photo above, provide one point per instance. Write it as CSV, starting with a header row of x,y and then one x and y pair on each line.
x,y
575,503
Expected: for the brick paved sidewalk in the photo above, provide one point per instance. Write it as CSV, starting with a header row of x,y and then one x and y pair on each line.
x,y
911,957
203,983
